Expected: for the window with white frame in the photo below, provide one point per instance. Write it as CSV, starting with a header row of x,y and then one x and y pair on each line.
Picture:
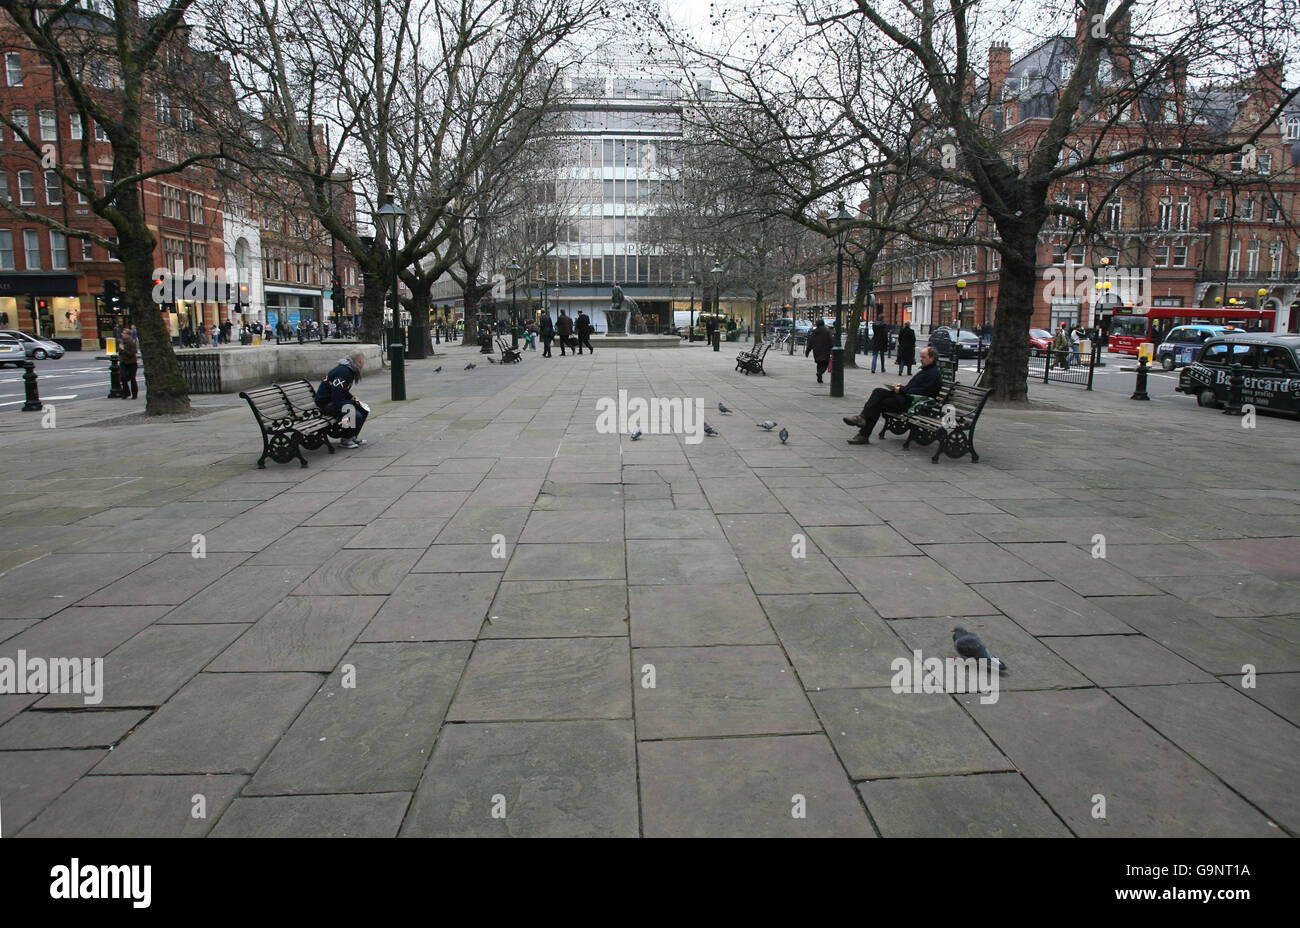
x,y
1171,111
1184,212
1274,259
1272,209
1115,214
1162,256
20,122
83,179
87,250
1180,256
187,117
1234,258
1078,253
1117,166
49,126
1062,220
1058,252
4,185
1264,162
32,249
1293,129
112,252
6,250
1252,258
100,134
58,250
1220,208
74,126
1246,208
108,182
26,188
14,69
1238,163
53,188
1166,211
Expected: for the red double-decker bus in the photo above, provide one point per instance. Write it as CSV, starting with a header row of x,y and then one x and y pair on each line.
x,y
1130,327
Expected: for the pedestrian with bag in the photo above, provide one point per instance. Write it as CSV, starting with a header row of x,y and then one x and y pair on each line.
x,y
546,329
819,346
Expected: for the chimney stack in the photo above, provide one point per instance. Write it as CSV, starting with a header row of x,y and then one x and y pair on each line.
x,y
999,68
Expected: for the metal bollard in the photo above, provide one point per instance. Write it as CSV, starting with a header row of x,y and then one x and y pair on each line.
x,y
115,391
1140,390
717,340
1235,383
33,403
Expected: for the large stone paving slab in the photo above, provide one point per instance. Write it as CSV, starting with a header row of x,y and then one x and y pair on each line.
x,y
1032,665
880,733
31,780
529,779
1237,595
728,613
748,787
1125,660
604,526
900,587
362,572
834,640
558,609
259,589
371,816
434,607
545,678
697,563
137,807
218,723
1079,570
170,580
718,691
44,586
982,562
1050,608
861,541
307,633
990,805
45,730
1255,753
373,735
566,562
1279,692
1073,746
82,631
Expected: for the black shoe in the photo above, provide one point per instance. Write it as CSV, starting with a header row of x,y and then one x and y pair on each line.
x,y
819,380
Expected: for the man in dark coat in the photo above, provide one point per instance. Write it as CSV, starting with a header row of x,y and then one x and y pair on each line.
x,y
879,345
564,329
546,331
334,397
927,382
906,356
584,332
819,345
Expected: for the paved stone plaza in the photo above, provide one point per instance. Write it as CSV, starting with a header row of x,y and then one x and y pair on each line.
x,y
349,658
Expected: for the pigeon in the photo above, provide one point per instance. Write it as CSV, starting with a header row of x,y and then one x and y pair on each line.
x,y
470,366
783,434
492,360
437,369
766,424
724,410
969,645
636,434
710,430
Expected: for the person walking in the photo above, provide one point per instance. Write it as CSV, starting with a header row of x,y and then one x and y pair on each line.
x,y
1076,335
906,352
879,344
546,329
128,356
927,382
819,345
1061,347
531,333
564,329
584,332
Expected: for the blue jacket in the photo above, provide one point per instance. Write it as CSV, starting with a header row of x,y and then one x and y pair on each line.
x,y
336,389
928,381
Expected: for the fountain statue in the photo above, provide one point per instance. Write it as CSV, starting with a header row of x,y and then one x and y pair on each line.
x,y
622,311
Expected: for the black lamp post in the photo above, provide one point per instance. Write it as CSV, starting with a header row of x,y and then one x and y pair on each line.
x,y
840,233
691,330
389,216
514,314
717,303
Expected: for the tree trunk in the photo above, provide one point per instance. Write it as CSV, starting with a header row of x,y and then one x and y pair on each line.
x,y
372,309
758,313
167,392
1007,371
851,329
470,297
419,310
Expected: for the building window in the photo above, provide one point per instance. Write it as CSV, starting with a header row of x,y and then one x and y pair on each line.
x,y
1180,256
1274,259
87,250
1221,208
1166,214
20,122
49,126
1162,256
1293,128
196,207
1265,163
112,252
1247,208
6,250
1238,162
53,188
32,249
171,202
4,185
1272,209
1252,258
108,182
100,134
83,179
1078,254
58,250
187,118
1058,252
1184,212
1234,259
74,126
14,69
1115,214
26,188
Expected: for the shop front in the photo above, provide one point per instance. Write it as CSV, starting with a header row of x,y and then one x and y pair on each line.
x,y
46,305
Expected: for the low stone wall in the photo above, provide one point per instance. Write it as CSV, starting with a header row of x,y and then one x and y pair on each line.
x,y
243,368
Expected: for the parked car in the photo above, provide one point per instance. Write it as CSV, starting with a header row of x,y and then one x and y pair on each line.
x,y
942,339
33,347
1040,342
1270,368
11,352
1184,342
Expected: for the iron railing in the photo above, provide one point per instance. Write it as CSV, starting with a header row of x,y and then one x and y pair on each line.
x,y
201,370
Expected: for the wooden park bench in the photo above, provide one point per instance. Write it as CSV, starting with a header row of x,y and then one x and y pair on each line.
x,y
508,355
286,429
751,362
301,395
949,417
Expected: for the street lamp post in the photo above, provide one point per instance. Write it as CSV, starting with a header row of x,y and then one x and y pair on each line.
x,y
389,216
840,233
514,313
691,330
1259,307
717,303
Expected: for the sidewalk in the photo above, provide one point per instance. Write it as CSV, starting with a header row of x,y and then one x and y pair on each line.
x,y
648,658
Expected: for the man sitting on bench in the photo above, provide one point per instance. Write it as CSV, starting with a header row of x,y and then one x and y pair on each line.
x,y
334,397
928,381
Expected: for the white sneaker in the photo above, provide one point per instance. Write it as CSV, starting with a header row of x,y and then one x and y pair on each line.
x,y
349,443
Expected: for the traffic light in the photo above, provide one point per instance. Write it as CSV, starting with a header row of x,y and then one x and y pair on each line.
x,y
112,295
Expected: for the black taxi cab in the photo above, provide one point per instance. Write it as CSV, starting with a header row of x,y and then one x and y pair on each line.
x,y
1270,370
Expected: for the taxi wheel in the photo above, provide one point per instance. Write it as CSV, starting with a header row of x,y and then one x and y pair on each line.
x,y
39,354
1206,398
1167,363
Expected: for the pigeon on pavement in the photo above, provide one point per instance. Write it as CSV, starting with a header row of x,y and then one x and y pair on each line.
x,y
969,645
492,360
470,366
724,410
636,434
437,369
783,434
766,424
710,430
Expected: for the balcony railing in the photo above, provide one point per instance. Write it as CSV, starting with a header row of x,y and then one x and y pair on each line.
x,y
1243,276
